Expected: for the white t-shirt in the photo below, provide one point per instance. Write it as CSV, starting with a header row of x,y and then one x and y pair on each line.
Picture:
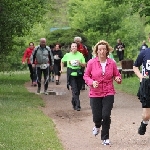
x,y
103,66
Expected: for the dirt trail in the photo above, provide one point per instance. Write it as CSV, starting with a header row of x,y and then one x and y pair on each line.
x,y
75,128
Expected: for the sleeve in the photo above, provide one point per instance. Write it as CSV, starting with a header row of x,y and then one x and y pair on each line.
x,y
60,55
123,45
116,72
33,56
87,74
138,62
25,55
64,58
51,58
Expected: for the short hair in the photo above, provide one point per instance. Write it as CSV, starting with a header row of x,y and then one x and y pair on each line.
x,y
31,43
77,38
102,42
42,39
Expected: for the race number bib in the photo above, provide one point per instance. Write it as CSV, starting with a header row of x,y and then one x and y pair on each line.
x,y
120,49
43,66
148,65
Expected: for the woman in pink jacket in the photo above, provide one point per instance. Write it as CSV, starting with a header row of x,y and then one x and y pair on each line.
x,y
99,76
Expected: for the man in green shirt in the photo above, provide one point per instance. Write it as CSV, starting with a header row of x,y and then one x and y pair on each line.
x,y
75,60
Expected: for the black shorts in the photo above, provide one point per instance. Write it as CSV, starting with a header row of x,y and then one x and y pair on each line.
x,y
57,69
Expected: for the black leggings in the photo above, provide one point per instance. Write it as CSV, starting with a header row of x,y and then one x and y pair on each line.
x,y
33,75
101,110
46,77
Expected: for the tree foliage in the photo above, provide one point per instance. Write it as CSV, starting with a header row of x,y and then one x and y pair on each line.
x,y
16,18
108,20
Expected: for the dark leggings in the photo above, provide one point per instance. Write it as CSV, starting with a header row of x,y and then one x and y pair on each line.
x,y
76,85
33,75
46,77
101,110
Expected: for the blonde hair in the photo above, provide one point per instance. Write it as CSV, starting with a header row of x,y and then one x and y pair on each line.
x,y
102,42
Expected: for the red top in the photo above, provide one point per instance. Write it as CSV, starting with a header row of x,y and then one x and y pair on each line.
x,y
82,49
27,55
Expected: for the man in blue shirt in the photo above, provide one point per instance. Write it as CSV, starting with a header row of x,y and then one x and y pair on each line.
x,y
143,59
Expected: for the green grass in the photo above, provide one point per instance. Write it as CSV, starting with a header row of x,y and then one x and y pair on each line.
x,y
129,85
22,125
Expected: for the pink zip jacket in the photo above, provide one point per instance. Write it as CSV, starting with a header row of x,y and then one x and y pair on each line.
x,y
93,72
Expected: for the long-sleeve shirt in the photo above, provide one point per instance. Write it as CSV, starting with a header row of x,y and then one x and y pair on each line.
x,y
27,55
94,72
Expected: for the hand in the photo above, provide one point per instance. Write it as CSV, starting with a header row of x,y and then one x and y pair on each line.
x,y
61,71
95,84
118,79
23,63
33,65
51,67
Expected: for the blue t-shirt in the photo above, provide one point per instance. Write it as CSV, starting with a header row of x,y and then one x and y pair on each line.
x,y
144,60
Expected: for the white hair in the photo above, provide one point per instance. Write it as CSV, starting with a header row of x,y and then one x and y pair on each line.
x,y
42,39
77,38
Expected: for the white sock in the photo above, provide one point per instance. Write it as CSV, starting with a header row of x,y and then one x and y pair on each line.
x,y
145,122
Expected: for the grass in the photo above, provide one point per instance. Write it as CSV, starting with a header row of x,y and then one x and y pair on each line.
x,y
129,85
22,125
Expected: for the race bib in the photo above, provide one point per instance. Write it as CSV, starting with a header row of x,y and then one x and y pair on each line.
x,y
148,65
120,49
43,66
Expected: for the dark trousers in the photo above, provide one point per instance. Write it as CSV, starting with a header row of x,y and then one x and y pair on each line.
x,y
33,75
76,85
120,54
46,77
101,110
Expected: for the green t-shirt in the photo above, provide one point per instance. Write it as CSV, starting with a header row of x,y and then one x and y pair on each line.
x,y
73,56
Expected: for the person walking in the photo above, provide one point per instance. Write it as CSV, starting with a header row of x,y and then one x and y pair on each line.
x,y
120,50
144,90
26,57
57,53
44,57
75,61
99,75
82,49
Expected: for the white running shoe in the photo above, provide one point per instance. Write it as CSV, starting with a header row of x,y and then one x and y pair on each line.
x,y
95,131
45,92
106,142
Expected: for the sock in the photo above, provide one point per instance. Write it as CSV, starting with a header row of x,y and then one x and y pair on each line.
x,y
145,122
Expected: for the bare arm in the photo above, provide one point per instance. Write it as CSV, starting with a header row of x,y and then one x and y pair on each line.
x,y
137,72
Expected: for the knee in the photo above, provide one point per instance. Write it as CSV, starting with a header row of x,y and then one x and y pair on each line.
x,y
146,116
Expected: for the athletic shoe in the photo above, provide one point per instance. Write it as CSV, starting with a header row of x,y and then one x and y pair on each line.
x,y
142,129
95,131
52,79
34,84
45,92
106,142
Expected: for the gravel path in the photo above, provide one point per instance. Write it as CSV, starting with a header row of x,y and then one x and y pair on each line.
x,y
75,128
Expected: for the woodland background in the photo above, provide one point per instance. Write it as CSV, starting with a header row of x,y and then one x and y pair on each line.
x,y
28,20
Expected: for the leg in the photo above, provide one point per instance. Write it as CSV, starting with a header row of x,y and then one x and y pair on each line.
x,y
107,105
144,123
31,71
35,76
46,77
39,76
75,92
96,106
